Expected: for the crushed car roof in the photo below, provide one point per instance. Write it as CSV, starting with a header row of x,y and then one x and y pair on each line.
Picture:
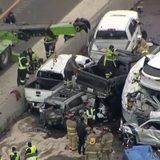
x,y
62,95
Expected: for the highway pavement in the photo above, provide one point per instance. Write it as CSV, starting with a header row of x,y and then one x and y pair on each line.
x,y
36,12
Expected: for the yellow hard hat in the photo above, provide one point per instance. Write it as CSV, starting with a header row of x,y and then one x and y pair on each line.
x,y
92,141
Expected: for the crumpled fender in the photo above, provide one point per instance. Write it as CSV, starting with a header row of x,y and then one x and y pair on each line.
x,y
17,93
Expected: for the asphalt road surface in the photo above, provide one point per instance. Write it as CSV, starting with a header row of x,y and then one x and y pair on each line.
x,y
37,12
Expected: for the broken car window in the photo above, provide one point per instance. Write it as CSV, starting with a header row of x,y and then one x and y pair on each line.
x,y
76,102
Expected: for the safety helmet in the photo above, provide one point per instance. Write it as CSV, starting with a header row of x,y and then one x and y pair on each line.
x,y
111,47
92,141
81,111
106,129
139,37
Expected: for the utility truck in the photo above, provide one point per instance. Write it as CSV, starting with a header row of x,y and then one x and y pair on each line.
x,y
11,33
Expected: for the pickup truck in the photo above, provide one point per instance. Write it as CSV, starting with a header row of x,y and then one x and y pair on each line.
x,y
49,79
143,152
93,77
119,28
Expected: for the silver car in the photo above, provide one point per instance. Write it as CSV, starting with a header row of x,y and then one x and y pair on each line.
x,y
146,133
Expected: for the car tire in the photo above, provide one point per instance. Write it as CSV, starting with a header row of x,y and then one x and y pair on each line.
x,y
129,139
5,58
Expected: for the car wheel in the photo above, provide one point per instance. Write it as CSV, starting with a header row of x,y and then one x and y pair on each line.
x,y
5,58
129,139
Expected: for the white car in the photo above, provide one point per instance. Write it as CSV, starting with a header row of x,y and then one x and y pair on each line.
x,y
150,75
49,79
119,28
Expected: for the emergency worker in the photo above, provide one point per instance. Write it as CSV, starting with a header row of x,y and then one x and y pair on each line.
x,y
33,59
90,134
50,44
71,131
81,132
82,114
22,68
69,70
90,112
14,155
32,156
109,61
141,46
10,19
93,150
31,149
106,144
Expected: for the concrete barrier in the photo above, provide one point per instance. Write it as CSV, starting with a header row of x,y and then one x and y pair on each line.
x,y
11,108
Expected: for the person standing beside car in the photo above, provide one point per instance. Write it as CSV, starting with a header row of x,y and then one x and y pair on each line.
x,y
69,70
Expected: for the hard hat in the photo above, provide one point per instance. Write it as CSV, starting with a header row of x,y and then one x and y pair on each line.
x,y
106,129
92,141
139,37
81,111
111,47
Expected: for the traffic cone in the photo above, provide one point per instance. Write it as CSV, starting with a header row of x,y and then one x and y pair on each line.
x,y
121,124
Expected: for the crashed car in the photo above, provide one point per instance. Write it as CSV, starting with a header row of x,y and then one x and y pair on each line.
x,y
56,108
147,132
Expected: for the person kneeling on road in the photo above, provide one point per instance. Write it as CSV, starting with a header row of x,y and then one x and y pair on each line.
x,y
14,155
34,60
71,132
69,70
22,68
106,144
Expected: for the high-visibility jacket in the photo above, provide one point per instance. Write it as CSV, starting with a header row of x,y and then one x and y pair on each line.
x,y
20,66
31,157
143,51
109,55
33,149
90,113
107,142
34,57
71,127
0,158
93,152
12,154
